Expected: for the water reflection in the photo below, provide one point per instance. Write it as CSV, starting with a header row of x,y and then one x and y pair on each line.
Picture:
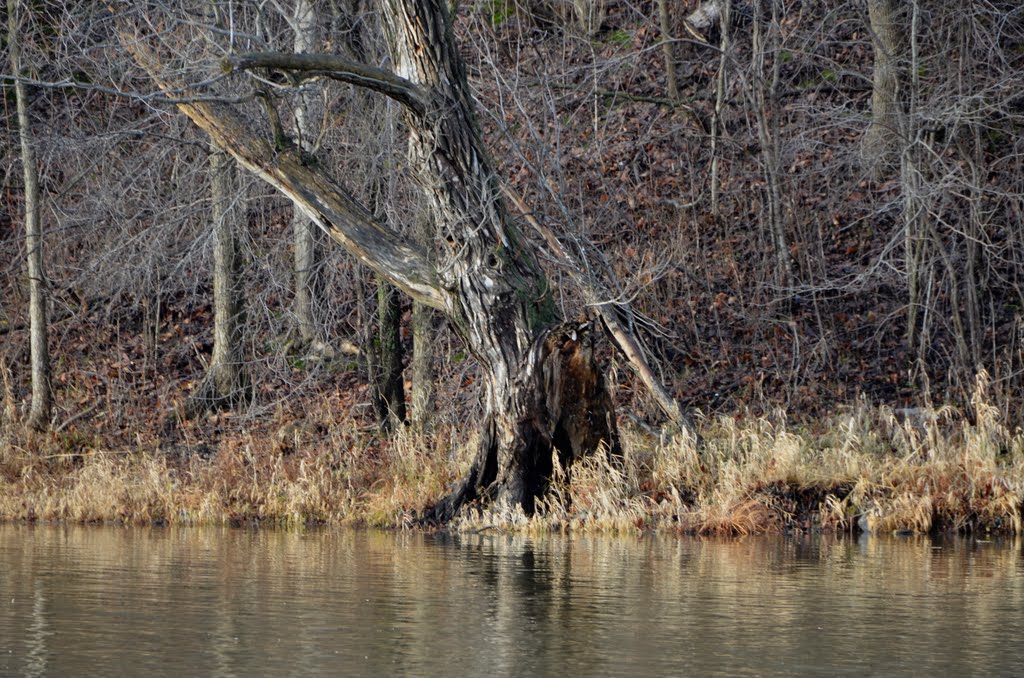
x,y
235,603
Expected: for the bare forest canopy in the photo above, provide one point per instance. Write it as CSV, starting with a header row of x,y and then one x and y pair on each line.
x,y
766,205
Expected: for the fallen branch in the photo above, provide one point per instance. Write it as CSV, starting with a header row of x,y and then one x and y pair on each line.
x,y
75,417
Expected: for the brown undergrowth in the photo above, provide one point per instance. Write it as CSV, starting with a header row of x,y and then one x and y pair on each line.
x,y
871,469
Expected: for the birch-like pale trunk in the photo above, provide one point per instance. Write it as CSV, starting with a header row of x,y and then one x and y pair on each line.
x,y
305,233
39,410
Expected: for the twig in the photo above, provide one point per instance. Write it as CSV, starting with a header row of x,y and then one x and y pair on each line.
x,y
93,453
76,417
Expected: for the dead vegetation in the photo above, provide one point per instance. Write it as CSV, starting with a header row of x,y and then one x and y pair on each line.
x,y
770,361
870,469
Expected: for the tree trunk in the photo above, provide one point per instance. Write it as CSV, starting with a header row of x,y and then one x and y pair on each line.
x,y
226,383
423,337
39,412
881,140
915,211
765,104
717,127
304,232
386,355
542,389
389,388
665,24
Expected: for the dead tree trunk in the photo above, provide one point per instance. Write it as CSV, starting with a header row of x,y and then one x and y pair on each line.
x,y
541,385
543,393
39,411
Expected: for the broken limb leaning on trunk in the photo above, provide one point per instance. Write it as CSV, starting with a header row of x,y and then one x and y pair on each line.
x,y
543,394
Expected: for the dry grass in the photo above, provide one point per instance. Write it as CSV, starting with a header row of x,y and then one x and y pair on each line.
x,y
871,469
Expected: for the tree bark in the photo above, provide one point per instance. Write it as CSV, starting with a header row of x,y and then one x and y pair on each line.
x,y
389,396
423,336
543,392
39,411
765,102
536,381
304,232
665,24
881,140
226,383
717,128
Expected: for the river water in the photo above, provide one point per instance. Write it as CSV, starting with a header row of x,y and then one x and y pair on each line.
x,y
82,601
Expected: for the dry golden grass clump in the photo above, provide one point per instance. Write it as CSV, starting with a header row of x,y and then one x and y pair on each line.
x,y
872,469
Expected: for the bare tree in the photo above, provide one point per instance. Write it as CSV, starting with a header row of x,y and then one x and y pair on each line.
x,y
765,55
422,397
665,24
389,387
721,84
39,412
542,388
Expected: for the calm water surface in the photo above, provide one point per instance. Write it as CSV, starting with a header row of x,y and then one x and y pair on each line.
x,y
108,602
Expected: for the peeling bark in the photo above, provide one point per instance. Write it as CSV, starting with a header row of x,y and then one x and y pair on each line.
x,y
560,409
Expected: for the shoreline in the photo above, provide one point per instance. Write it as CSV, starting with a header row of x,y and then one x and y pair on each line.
x,y
867,470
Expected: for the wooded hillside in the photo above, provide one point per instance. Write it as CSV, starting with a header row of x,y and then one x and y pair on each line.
x,y
789,206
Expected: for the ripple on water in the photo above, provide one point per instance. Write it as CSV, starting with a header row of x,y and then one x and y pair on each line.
x,y
104,601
